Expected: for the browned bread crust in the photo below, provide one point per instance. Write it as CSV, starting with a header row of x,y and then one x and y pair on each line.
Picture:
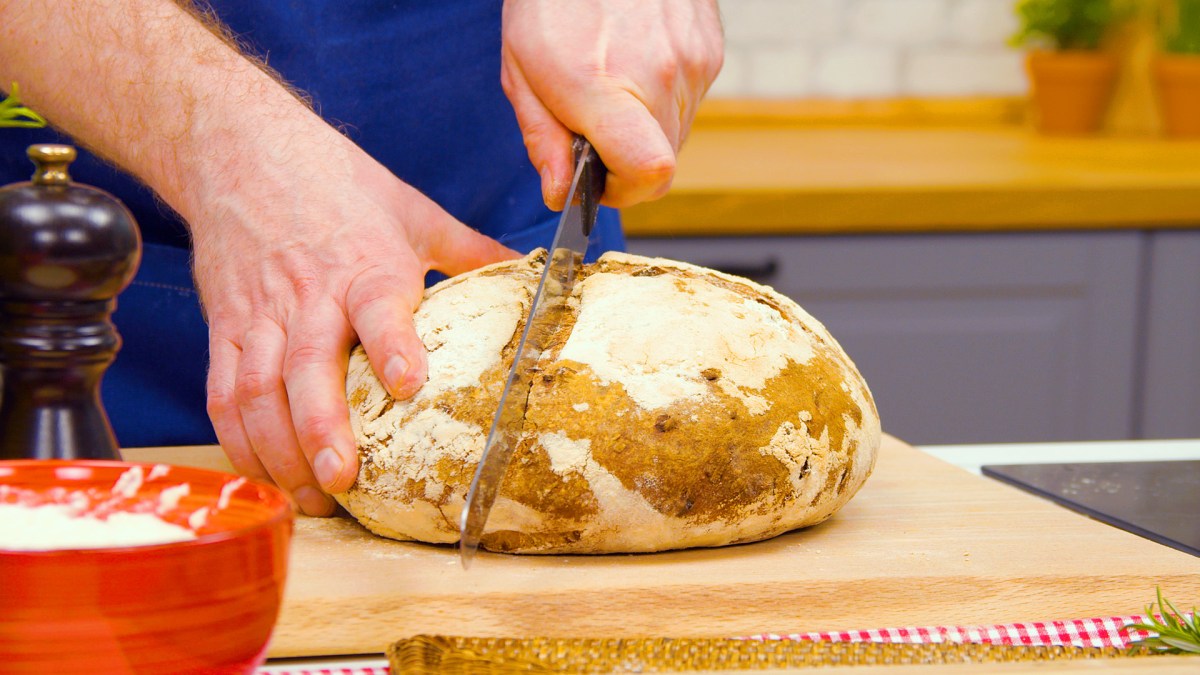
x,y
678,407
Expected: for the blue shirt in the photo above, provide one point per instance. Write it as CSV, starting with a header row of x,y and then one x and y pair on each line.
x,y
416,84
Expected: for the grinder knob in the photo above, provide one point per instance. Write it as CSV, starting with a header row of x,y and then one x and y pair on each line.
x,y
66,251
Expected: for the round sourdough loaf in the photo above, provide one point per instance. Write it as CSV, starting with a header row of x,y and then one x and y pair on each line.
x,y
678,407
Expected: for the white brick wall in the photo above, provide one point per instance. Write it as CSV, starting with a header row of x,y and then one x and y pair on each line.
x,y
868,48
814,22
898,22
857,71
982,23
959,71
779,71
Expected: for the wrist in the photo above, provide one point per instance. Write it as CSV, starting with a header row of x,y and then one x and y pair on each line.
x,y
237,143
238,127
155,89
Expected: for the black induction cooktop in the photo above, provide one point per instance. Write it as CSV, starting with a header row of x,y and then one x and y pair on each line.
x,y
1156,500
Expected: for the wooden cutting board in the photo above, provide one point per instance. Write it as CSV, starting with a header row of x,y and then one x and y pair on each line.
x,y
924,543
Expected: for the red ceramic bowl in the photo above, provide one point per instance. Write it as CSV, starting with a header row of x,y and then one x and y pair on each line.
x,y
205,605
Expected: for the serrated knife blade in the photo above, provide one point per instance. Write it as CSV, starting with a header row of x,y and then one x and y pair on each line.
x,y
563,260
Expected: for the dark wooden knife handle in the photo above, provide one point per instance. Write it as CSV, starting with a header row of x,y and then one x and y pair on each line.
x,y
591,182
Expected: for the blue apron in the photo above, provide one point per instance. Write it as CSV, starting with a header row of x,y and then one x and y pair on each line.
x,y
414,83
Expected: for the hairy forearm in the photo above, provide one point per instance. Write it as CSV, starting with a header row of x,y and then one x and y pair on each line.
x,y
149,86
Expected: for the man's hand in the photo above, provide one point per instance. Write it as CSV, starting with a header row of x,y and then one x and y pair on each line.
x,y
303,244
626,74
321,248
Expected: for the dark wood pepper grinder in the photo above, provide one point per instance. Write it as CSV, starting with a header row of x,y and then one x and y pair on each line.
x,y
66,251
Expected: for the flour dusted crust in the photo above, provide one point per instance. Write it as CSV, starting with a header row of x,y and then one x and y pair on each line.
x,y
678,407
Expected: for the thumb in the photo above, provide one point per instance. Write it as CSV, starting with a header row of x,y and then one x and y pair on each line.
x,y
454,248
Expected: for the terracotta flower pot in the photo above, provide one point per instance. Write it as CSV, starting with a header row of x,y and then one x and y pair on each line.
x,y
1177,82
1071,90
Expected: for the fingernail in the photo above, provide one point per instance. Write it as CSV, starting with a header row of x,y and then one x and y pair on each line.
x,y
327,466
546,185
312,501
394,372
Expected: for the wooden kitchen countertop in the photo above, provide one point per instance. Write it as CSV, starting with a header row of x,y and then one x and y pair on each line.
x,y
923,544
826,179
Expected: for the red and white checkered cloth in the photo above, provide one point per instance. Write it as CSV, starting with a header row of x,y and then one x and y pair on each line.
x,y
1104,632
381,669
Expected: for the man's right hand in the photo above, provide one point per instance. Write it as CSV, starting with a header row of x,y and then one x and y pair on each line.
x,y
296,260
303,244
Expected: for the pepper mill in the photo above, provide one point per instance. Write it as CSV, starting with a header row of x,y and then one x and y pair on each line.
x,y
66,251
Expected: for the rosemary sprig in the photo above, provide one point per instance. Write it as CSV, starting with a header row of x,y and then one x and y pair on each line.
x,y
13,114
1174,633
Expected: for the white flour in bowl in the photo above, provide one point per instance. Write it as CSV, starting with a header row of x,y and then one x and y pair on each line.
x,y
75,519
52,527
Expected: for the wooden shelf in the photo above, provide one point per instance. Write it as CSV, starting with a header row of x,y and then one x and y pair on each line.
x,y
815,179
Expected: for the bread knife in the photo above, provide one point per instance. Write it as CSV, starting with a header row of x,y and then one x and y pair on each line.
x,y
563,262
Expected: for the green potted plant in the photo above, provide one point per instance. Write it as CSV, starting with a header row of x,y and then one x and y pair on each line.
x,y
14,114
1071,76
1176,68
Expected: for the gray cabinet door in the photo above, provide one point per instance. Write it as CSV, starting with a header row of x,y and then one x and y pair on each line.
x,y
965,338
1170,405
